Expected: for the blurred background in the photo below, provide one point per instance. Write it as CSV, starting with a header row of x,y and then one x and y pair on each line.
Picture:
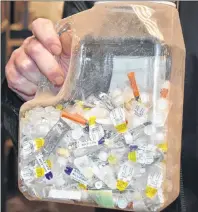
x,y
16,19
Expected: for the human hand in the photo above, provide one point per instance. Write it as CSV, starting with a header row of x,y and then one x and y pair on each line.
x,y
36,56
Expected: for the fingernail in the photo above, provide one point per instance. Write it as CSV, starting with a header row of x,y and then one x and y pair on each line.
x,y
59,80
56,49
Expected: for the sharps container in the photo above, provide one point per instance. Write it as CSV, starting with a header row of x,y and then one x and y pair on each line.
x,y
111,137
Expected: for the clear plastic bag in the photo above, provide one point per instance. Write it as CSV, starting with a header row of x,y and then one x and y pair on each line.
x,y
111,137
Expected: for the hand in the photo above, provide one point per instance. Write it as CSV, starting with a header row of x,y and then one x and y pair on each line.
x,y
36,56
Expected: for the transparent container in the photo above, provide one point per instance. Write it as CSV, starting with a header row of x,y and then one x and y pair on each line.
x,y
108,137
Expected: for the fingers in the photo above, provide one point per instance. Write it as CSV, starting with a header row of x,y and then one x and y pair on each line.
x,y
16,81
27,67
45,61
36,56
44,31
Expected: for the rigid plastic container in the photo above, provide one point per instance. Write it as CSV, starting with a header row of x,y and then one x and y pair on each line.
x,y
111,137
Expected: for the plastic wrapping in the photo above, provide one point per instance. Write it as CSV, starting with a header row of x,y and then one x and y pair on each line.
x,y
111,137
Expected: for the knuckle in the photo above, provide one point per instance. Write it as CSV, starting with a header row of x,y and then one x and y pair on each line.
x,y
23,65
8,71
15,52
13,83
33,47
12,79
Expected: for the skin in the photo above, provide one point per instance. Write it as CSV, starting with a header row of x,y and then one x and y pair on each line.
x,y
44,53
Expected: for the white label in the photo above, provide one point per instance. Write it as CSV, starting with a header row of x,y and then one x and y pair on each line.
x,y
27,174
117,116
60,194
42,163
55,134
96,132
27,149
142,147
148,147
151,147
83,143
139,109
77,176
59,131
144,157
155,180
126,172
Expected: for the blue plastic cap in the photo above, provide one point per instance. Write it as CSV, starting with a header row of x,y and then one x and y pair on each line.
x,y
133,147
101,141
68,170
49,175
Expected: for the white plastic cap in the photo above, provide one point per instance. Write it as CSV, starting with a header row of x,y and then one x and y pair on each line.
x,y
99,184
103,156
122,203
